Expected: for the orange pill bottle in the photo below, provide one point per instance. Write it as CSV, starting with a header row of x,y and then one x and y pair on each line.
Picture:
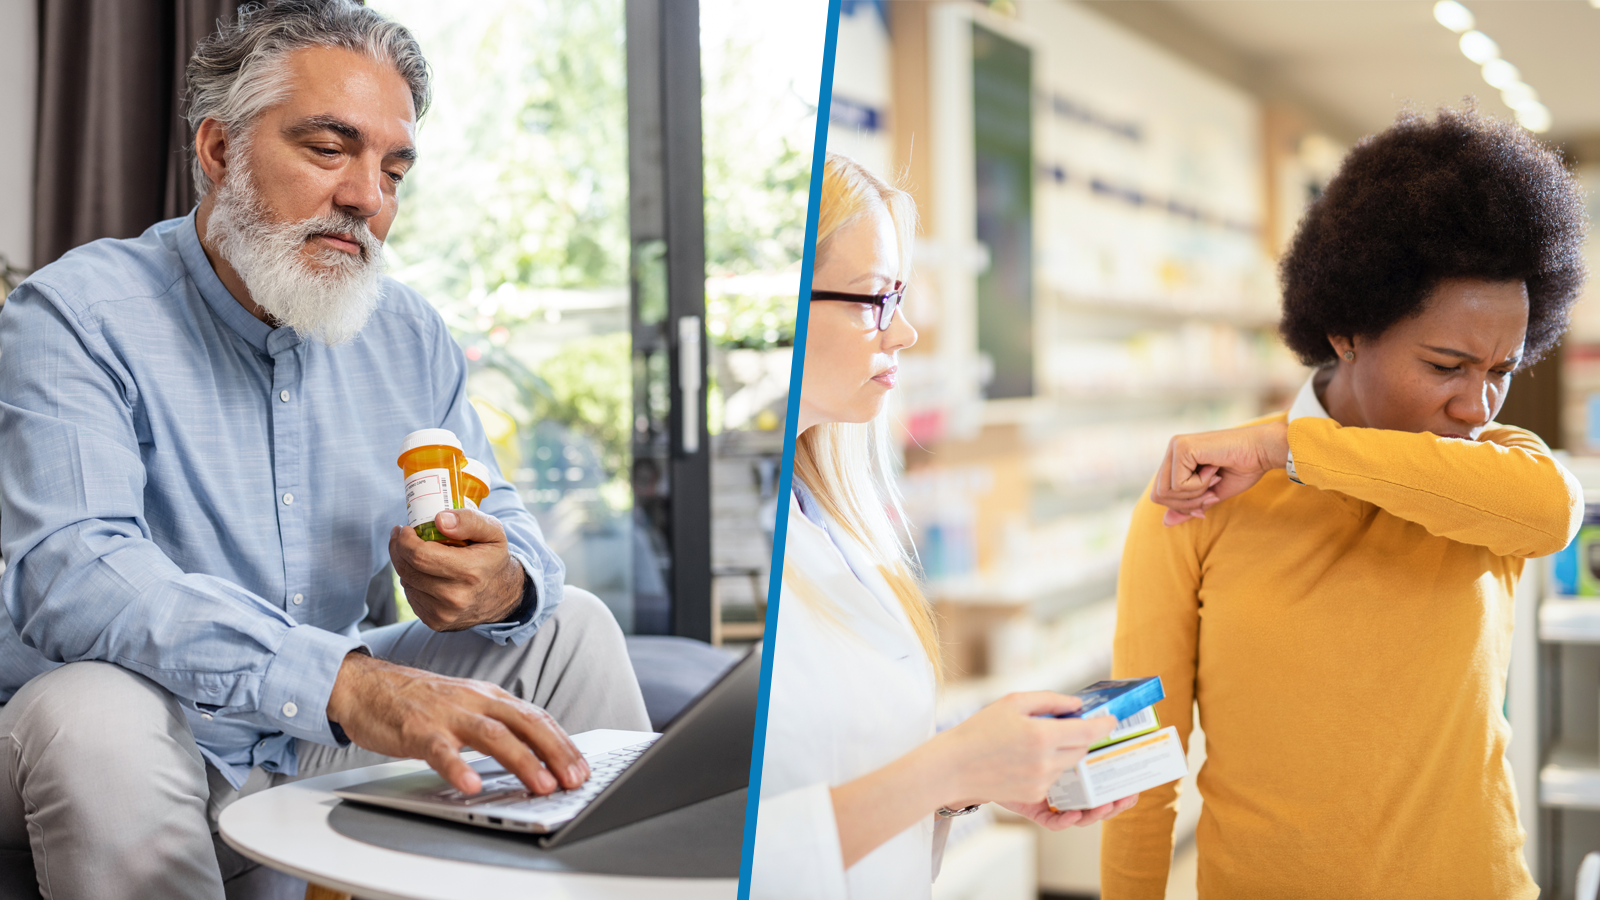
x,y
431,460
475,482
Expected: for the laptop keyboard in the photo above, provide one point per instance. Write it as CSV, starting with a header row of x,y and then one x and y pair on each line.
x,y
507,791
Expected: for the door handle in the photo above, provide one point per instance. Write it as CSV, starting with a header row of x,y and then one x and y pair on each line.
x,y
689,372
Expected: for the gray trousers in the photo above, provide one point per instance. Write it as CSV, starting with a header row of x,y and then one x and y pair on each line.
x,y
103,787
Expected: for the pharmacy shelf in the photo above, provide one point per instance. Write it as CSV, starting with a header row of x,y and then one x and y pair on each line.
x,y
1572,620
1571,778
1061,500
1189,391
1069,672
1055,411
1160,311
1036,588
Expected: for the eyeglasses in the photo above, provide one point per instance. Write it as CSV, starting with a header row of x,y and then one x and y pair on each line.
x,y
886,302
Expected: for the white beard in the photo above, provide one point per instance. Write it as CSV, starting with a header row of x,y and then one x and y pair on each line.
x,y
330,301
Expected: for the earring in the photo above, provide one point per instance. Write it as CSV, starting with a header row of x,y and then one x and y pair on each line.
x,y
1349,356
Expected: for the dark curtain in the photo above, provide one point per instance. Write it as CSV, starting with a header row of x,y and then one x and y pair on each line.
x,y
112,142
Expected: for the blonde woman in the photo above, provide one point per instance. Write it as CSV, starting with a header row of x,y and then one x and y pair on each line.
x,y
857,787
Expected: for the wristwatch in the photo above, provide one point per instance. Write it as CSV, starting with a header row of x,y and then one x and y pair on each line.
x,y
948,813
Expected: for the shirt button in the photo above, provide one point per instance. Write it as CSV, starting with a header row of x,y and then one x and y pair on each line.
x,y
289,709
299,599
288,499
284,396
206,716
262,745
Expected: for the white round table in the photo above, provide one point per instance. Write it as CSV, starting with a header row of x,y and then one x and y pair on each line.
x,y
287,828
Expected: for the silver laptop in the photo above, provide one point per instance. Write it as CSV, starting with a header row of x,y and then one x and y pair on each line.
x,y
704,752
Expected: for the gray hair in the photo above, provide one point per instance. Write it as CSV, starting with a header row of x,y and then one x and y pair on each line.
x,y
239,70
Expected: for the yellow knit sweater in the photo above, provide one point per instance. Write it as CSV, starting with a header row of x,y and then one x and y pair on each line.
x,y
1347,641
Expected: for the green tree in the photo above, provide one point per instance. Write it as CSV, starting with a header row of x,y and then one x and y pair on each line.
x,y
523,172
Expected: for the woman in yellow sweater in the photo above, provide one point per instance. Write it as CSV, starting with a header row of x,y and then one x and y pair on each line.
x,y
1334,585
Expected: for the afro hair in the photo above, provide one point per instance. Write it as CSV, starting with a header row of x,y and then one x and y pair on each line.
x,y
1461,196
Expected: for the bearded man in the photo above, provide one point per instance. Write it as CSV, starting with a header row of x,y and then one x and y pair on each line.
x,y
198,433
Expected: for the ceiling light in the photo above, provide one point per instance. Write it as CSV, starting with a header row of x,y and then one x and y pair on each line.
x,y
1456,17
1479,47
1501,74
1517,95
1535,117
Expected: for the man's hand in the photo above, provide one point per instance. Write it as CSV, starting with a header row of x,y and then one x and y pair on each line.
x,y
1202,470
400,711
455,588
1040,812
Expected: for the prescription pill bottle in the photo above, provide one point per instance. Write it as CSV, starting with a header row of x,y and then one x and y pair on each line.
x,y
431,460
475,482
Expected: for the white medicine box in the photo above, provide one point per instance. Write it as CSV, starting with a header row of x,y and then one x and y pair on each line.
x,y
1120,770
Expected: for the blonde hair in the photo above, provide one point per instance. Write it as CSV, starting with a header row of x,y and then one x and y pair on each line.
x,y
849,467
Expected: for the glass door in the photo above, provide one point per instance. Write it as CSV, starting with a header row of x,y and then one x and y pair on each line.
x,y
586,165
515,225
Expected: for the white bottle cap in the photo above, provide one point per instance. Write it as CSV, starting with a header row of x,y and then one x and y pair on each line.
x,y
475,469
429,437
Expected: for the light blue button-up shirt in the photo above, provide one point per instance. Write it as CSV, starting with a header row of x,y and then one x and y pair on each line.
x,y
202,499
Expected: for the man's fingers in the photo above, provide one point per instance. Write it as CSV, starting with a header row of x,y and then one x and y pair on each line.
x,y
535,728
447,761
494,737
438,586
425,565
403,542
470,525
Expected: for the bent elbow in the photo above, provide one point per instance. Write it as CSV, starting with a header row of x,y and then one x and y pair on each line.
x,y
1557,521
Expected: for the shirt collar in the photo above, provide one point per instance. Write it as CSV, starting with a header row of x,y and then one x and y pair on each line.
x,y
1306,403
255,332
808,502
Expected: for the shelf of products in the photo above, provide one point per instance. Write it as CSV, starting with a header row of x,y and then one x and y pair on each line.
x,y
1162,310
1562,715
1067,673
1570,620
1028,586
1570,779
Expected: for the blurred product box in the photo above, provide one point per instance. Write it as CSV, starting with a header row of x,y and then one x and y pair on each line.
x,y
1577,568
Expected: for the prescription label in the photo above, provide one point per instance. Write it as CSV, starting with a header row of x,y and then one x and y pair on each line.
x,y
427,495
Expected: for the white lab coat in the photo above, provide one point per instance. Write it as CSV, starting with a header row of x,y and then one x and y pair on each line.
x,y
852,690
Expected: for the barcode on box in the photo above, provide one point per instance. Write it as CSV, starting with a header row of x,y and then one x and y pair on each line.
x,y
1143,720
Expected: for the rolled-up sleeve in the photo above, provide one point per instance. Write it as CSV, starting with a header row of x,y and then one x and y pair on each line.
x,y
86,582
